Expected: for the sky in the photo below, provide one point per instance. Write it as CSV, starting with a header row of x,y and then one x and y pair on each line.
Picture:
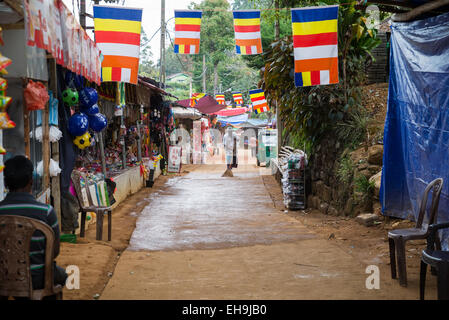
x,y
151,19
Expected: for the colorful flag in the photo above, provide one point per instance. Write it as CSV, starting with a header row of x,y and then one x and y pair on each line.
x,y
258,99
247,32
238,99
117,34
315,42
220,97
195,97
187,31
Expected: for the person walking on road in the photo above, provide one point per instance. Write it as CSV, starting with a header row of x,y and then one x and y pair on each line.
x,y
230,141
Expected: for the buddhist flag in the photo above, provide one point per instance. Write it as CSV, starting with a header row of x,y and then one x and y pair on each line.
x,y
220,97
238,99
258,99
195,97
117,34
247,32
187,31
315,43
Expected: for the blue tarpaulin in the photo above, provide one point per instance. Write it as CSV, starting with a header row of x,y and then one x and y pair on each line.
x,y
233,120
416,135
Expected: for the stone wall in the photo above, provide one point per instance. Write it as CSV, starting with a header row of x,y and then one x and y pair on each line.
x,y
331,196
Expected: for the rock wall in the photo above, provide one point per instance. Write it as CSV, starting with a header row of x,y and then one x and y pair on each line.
x,y
332,196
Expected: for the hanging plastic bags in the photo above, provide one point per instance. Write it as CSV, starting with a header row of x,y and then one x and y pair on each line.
x,y
36,96
53,168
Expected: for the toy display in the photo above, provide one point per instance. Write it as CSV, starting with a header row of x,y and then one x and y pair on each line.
x,y
88,97
70,97
83,141
98,122
78,124
91,110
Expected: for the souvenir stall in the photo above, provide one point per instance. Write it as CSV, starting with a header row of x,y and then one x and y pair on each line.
x,y
54,65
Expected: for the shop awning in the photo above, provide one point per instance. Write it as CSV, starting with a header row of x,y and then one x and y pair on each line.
x,y
143,81
231,112
206,104
235,120
253,123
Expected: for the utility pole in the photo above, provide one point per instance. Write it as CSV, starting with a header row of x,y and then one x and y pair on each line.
x,y
279,126
162,59
83,13
204,73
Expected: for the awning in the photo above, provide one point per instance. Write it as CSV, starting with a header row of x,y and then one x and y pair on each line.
x,y
233,120
253,123
231,112
206,104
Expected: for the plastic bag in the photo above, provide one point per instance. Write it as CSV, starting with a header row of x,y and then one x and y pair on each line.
x,y
54,134
53,168
36,96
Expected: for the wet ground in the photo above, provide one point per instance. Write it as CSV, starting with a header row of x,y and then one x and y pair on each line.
x,y
202,236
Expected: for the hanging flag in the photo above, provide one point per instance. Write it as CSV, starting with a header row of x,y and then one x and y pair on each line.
x,y
238,99
117,34
258,99
220,97
195,97
315,42
187,31
247,32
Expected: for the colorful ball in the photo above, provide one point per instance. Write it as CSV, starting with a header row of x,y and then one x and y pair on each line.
x,y
91,111
70,97
98,122
82,141
78,124
88,97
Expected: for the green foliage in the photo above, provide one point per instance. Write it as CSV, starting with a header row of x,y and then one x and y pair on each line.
x,y
363,185
345,169
355,129
146,65
314,111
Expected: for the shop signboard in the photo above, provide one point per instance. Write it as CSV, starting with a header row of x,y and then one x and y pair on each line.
x,y
174,159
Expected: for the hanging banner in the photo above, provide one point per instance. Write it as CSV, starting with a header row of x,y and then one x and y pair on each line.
x,y
195,97
187,31
220,97
49,25
259,102
247,32
238,99
117,34
315,42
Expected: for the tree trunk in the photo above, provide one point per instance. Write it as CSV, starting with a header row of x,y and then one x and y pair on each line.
x,y
215,77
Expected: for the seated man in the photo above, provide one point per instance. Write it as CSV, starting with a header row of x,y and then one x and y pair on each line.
x,y
18,176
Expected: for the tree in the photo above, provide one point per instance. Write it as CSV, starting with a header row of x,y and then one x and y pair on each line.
x,y
217,35
146,65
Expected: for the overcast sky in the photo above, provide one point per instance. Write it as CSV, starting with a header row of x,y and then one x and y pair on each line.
x,y
151,19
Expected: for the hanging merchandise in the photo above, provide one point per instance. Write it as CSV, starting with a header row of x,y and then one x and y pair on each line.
x,y
70,97
98,122
88,97
36,96
78,124
258,99
3,86
73,80
238,99
247,32
53,168
4,62
315,42
117,34
83,141
91,110
187,31
6,122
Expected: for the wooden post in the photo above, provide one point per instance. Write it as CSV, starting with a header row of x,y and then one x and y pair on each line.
x,y
45,148
26,124
55,181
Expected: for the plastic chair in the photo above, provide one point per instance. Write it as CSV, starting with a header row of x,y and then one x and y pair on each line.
x,y
100,211
436,259
15,273
398,238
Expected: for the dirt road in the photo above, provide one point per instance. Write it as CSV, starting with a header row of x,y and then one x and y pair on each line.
x,y
207,237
